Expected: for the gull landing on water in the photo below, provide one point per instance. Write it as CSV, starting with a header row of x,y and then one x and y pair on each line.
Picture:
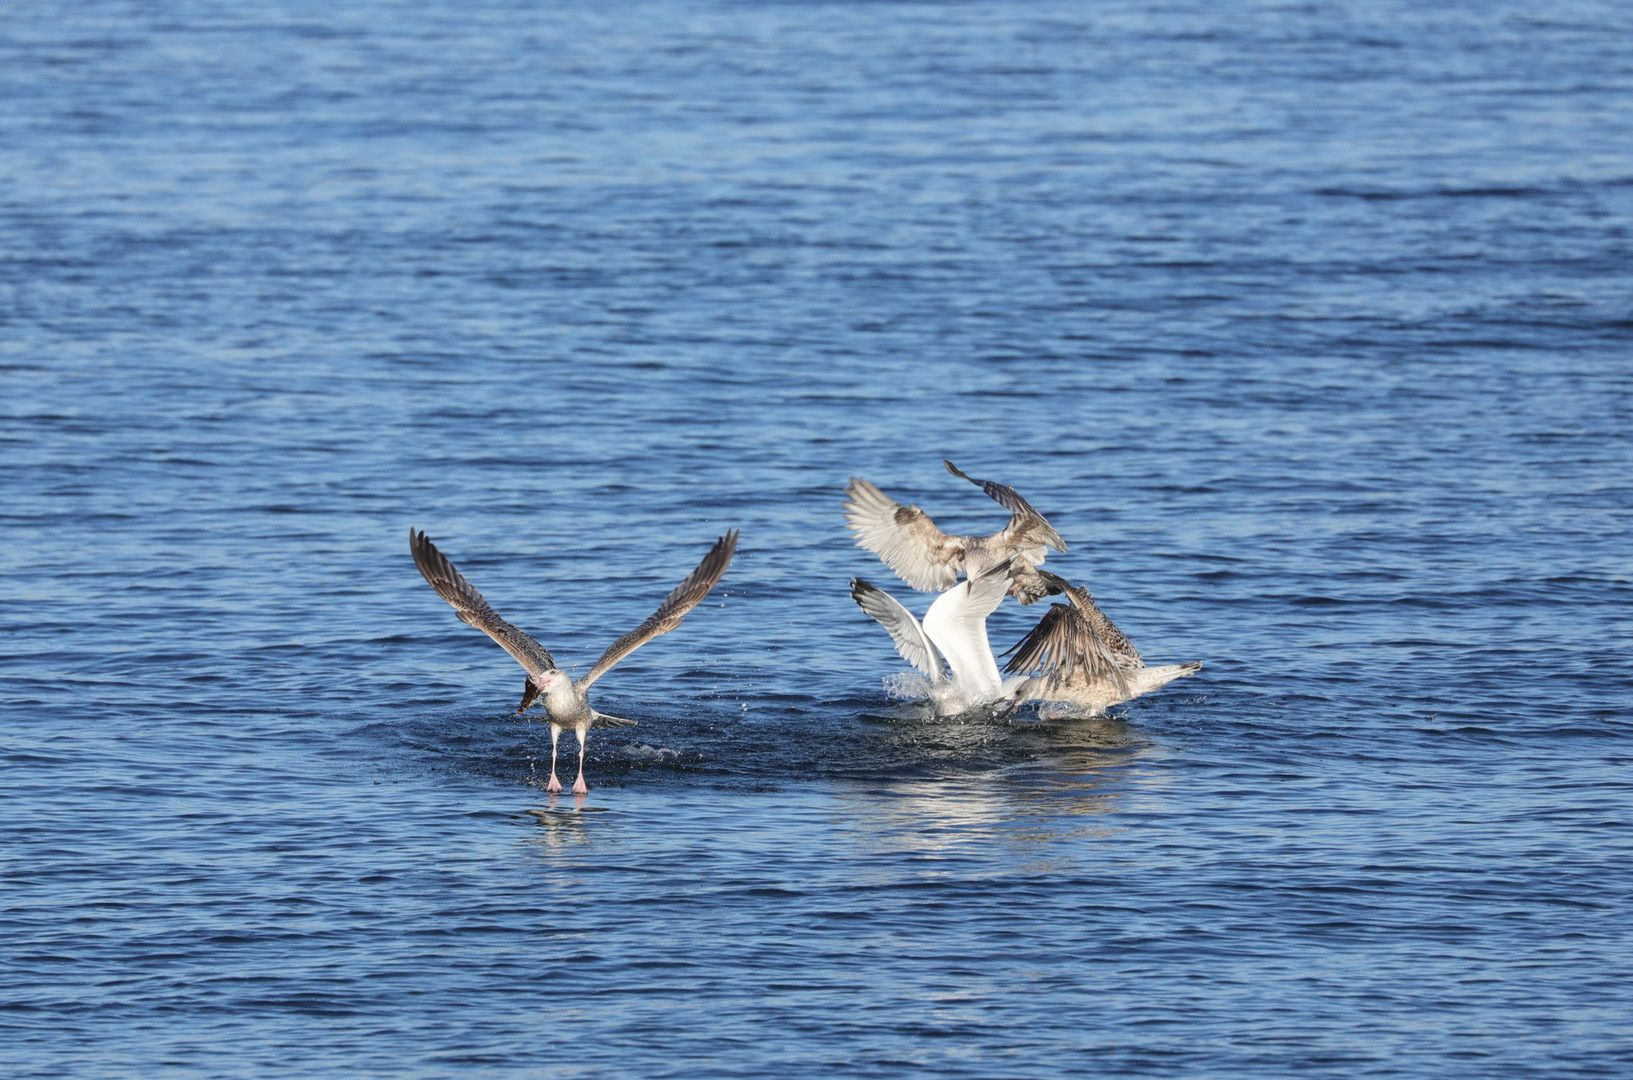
x,y
954,630
931,560
566,700
1082,658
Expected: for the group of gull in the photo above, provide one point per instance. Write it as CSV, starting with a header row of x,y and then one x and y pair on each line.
x,y
1073,655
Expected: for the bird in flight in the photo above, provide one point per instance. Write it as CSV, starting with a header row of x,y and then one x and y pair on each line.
x,y
566,700
930,560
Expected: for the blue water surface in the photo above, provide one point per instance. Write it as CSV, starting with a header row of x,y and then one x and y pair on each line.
x,y
1307,325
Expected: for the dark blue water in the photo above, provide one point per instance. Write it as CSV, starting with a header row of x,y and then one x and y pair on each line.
x,y
1307,324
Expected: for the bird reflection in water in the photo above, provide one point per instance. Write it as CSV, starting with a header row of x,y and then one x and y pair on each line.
x,y
1040,789
562,821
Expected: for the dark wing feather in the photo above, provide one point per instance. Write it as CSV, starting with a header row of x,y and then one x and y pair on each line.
x,y
1063,644
1045,646
471,608
1025,518
686,596
1116,641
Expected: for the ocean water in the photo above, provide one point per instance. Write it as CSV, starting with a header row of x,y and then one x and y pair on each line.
x,y
1307,325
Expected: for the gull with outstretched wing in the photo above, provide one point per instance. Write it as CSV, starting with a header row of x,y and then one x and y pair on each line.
x,y
930,560
566,699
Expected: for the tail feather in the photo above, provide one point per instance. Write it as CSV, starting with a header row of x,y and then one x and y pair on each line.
x,y
1145,680
603,720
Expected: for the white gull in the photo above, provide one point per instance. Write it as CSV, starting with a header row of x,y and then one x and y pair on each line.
x,y
954,631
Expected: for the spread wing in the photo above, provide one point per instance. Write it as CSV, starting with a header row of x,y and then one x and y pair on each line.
x,y
905,631
1026,524
471,608
1046,647
957,623
904,537
686,596
1116,641
1063,643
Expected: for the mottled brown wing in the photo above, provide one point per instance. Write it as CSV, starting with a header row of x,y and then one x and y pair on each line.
x,y
471,608
1063,642
1116,641
1026,524
1044,646
904,537
686,596
1030,583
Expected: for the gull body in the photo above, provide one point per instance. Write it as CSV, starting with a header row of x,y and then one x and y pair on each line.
x,y
1079,657
565,699
930,560
950,646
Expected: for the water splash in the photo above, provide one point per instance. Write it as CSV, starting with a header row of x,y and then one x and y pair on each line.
x,y
944,699
906,686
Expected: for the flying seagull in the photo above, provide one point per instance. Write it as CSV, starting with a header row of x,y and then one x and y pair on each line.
x,y
566,699
931,560
1082,658
954,630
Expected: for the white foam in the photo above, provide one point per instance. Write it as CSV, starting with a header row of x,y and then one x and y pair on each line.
x,y
906,686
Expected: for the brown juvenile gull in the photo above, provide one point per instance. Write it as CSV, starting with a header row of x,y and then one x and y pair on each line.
x,y
566,699
931,560
1082,658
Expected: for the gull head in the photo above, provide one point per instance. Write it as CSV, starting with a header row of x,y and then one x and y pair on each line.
x,y
546,681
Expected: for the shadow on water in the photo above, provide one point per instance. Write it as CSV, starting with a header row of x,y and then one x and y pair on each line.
x,y
856,744
877,797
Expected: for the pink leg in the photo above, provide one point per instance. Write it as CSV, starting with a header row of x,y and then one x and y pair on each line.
x,y
579,786
554,785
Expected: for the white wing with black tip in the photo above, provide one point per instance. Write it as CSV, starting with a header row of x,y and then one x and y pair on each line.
x,y
911,642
